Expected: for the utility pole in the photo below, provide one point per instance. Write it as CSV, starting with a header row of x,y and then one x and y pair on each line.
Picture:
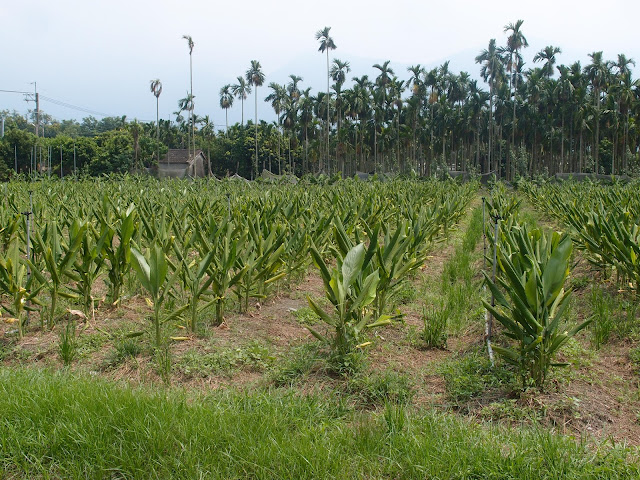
x,y
34,97
37,111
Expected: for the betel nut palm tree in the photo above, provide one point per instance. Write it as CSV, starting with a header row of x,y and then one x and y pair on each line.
x,y
255,77
597,72
326,44
226,102
191,120
382,81
156,89
515,42
241,90
490,72
338,73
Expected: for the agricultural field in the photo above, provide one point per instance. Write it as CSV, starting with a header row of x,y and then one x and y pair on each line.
x,y
327,329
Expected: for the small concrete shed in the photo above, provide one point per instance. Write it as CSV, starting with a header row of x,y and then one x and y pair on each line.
x,y
179,164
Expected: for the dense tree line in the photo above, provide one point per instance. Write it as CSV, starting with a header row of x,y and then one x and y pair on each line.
x,y
91,147
528,121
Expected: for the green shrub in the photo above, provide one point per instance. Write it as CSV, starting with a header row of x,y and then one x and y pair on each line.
x,y
379,388
121,351
194,363
471,374
68,343
603,321
297,362
434,333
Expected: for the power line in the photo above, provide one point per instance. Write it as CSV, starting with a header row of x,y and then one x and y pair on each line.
x,y
75,107
60,103
83,109
63,104
16,91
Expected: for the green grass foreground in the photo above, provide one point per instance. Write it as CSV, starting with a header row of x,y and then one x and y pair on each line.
x,y
60,425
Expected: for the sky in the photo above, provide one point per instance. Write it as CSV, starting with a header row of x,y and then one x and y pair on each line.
x,y
101,55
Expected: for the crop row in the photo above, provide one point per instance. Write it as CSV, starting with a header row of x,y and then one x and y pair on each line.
x,y
206,244
604,220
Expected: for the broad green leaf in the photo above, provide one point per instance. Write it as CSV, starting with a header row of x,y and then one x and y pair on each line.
x,y
352,264
143,271
556,270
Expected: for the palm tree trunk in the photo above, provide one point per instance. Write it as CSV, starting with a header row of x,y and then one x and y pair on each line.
x,y
279,142
158,129
254,174
355,149
191,110
513,129
572,148
581,149
328,107
498,163
398,142
306,149
562,160
626,138
432,137
490,126
597,134
375,147
339,158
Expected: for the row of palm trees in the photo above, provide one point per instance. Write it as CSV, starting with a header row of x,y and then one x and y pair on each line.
x,y
545,119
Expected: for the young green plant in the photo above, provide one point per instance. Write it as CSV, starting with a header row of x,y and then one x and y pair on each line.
x,y
153,273
15,283
534,268
350,303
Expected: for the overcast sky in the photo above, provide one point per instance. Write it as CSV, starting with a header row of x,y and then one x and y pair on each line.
x,y
100,55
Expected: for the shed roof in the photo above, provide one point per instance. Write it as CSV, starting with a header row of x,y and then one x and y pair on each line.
x,y
179,156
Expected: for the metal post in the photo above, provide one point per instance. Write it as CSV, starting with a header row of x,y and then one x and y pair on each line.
x,y
75,173
15,152
484,233
28,215
37,111
61,174
495,256
488,316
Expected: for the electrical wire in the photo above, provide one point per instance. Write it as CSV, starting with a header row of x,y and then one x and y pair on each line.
x,y
16,91
75,107
60,103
